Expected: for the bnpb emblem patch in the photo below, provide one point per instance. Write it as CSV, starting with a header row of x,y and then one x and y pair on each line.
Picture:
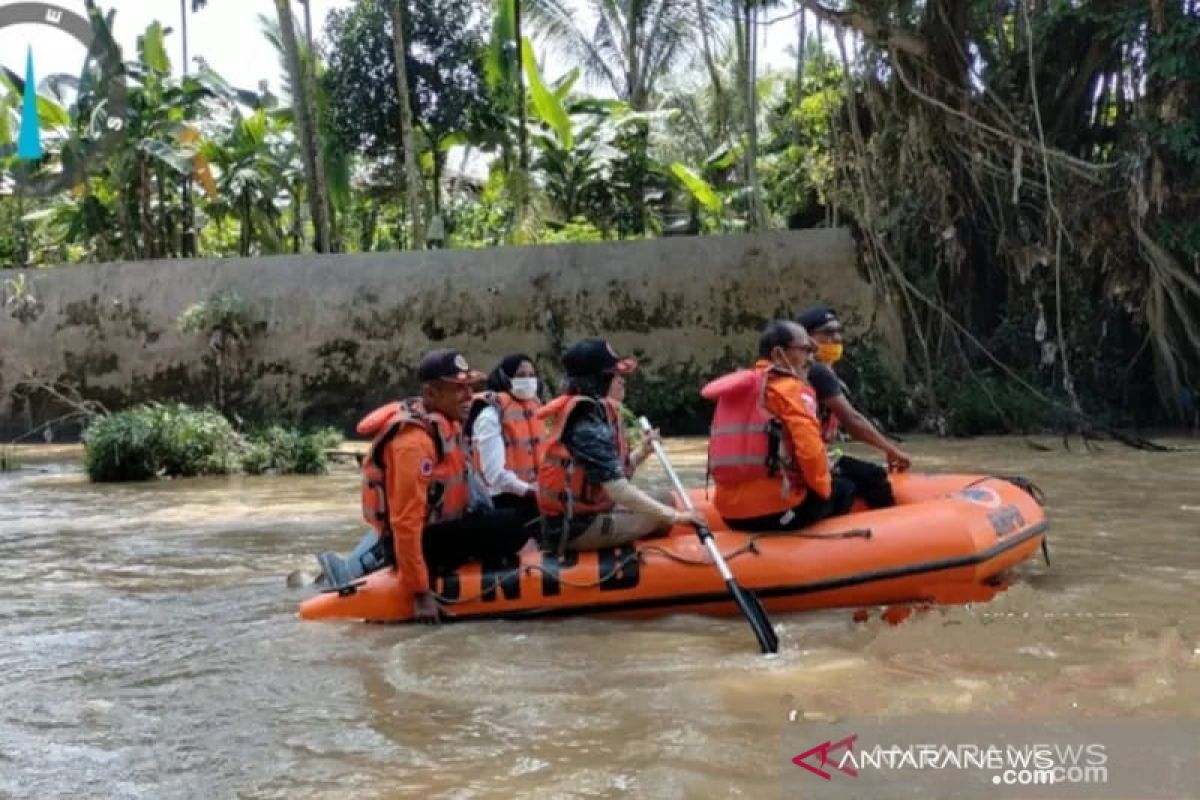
x,y
426,467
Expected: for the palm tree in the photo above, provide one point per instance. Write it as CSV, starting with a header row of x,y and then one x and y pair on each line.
x,y
304,104
412,176
633,44
189,212
750,9
183,23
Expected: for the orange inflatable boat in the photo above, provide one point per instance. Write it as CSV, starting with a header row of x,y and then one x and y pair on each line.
x,y
949,539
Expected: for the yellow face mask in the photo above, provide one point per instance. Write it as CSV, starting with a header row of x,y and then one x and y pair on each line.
x,y
829,353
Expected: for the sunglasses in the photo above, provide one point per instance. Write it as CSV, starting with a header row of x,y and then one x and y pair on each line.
x,y
808,348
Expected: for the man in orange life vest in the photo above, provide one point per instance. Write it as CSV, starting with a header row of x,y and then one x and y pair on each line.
x,y
584,493
765,450
870,480
416,482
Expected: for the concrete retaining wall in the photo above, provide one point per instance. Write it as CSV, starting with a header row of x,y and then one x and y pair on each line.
x,y
335,335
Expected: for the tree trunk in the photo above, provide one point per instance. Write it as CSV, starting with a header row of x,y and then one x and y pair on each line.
x,y
246,233
306,128
187,245
439,162
412,175
714,75
183,26
801,45
308,28
739,92
164,215
634,79
148,250
297,232
757,216
128,232
522,123
22,230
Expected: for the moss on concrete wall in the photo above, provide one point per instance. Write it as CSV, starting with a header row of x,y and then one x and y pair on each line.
x,y
333,336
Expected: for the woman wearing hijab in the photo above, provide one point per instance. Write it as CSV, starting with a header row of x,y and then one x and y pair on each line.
x,y
505,431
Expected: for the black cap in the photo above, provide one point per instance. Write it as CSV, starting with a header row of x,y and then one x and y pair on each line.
x,y
447,365
595,357
815,318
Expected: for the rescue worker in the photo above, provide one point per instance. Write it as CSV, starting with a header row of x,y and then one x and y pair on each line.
x,y
766,454
505,431
416,485
584,493
870,480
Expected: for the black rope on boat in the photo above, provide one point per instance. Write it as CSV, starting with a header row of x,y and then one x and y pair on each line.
x,y
751,546
1024,484
531,569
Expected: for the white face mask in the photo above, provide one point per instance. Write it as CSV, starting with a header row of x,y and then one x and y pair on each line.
x,y
524,388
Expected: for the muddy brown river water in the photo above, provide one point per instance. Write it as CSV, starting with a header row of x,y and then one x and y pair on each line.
x,y
150,648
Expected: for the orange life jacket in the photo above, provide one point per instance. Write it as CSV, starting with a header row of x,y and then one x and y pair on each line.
x,y
746,442
520,427
448,493
563,486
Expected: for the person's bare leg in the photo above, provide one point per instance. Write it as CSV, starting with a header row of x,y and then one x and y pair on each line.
x,y
615,528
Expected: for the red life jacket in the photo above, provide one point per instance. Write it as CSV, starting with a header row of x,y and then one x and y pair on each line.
x,y
746,442
520,428
563,486
448,493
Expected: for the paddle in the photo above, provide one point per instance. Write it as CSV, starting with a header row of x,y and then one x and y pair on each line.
x,y
751,608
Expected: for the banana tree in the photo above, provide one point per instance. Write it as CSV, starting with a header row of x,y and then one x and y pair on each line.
x,y
54,123
256,161
592,156
504,76
159,154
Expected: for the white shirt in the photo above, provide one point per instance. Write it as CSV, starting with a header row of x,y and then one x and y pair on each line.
x,y
489,441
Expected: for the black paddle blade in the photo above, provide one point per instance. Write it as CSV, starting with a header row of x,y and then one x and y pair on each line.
x,y
756,615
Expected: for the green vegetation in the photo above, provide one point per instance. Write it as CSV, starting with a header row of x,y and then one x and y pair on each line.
x,y
1020,178
224,314
176,441
284,451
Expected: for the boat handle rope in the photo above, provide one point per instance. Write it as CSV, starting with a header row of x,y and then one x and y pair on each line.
x,y
532,569
749,547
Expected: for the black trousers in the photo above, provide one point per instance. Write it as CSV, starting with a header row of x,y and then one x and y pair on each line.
x,y
526,508
495,536
870,481
812,510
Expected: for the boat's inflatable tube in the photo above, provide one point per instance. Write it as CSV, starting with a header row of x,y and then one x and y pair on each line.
x,y
950,539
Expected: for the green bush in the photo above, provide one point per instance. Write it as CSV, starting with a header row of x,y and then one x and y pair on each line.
x,y
223,311
121,447
178,441
874,390
195,442
151,440
278,449
987,404
577,230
